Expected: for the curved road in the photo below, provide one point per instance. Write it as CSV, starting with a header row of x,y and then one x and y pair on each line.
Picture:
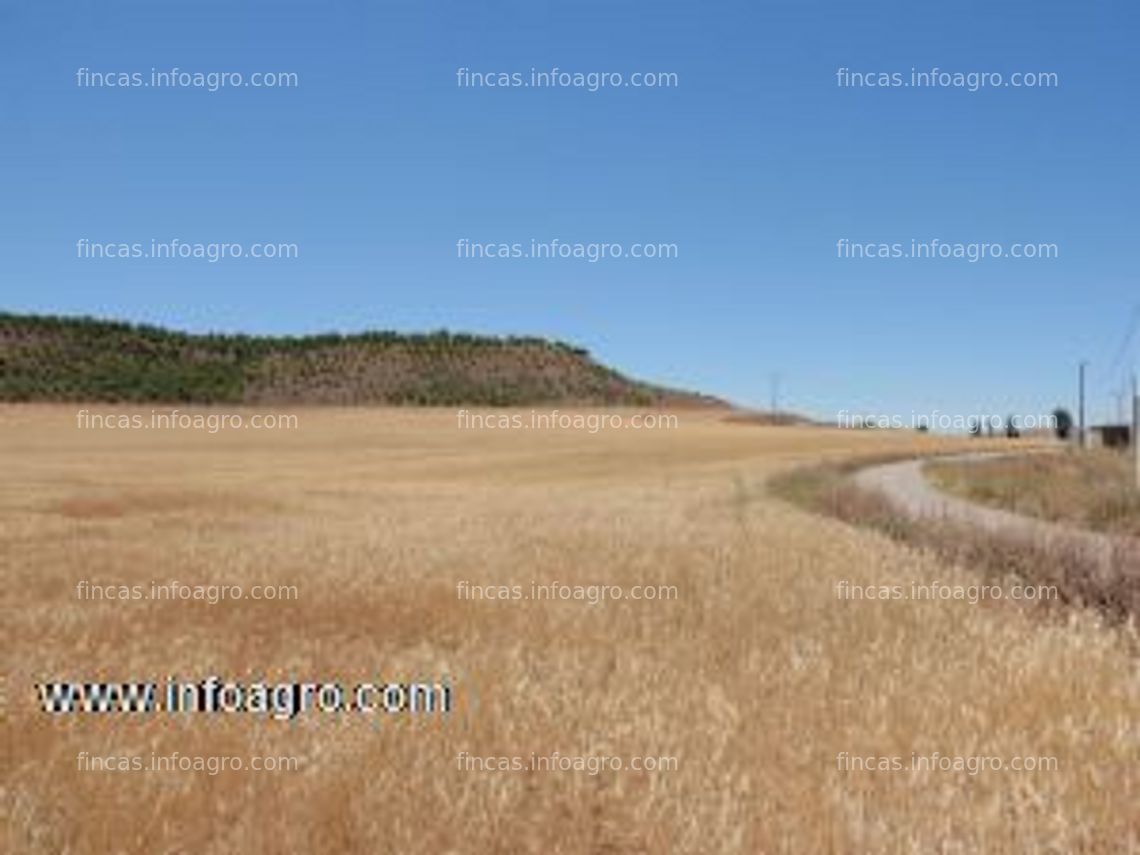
x,y
907,488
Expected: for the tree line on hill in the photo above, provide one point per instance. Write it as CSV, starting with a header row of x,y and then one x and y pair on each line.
x,y
48,358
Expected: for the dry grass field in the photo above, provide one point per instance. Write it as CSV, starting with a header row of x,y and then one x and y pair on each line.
x,y
755,676
1094,490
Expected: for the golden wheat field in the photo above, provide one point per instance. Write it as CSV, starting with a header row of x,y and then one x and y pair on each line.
x,y
751,686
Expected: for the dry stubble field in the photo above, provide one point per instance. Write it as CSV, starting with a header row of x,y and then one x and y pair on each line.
x,y
755,677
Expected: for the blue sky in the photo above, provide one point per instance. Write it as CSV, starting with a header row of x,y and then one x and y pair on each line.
x,y
754,165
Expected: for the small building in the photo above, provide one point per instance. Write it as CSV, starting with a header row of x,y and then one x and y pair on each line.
x,y
1110,436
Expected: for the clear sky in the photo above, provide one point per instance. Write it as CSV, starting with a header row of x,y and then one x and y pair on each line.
x,y
754,165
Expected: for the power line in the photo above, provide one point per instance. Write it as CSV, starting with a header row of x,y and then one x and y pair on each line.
x,y
1130,331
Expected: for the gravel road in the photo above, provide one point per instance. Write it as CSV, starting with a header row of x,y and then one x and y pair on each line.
x,y
905,486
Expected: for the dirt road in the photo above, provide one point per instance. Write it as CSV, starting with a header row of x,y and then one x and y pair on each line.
x,y
906,485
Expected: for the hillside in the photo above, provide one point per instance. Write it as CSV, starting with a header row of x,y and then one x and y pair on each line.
x,y
45,358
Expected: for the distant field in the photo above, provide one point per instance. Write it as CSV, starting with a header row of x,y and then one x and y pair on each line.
x,y
753,677
1094,490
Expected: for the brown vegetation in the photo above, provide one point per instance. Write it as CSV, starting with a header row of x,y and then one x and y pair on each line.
x,y
1083,579
755,677
1095,490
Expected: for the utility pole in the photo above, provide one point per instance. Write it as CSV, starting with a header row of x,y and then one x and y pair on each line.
x,y
1136,429
775,378
1081,435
